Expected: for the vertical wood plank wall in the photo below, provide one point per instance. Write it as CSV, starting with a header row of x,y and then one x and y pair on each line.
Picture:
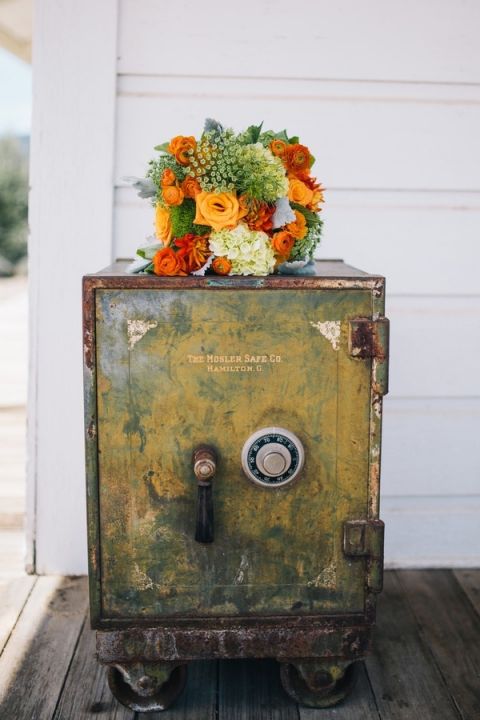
x,y
387,96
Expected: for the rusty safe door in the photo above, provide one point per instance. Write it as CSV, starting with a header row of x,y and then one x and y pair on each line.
x,y
178,368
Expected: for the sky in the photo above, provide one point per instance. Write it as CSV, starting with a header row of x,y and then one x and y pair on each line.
x,y
15,95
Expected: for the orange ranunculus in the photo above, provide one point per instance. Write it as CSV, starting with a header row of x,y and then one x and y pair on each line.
x,y
194,250
299,193
297,229
168,177
278,148
172,195
221,265
218,210
258,214
163,225
297,158
282,243
167,262
191,187
179,147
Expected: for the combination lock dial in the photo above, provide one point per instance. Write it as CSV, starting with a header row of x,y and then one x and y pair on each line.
x,y
272,457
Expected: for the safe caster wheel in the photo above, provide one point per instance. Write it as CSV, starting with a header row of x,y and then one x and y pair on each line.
x,y
316,684
147,687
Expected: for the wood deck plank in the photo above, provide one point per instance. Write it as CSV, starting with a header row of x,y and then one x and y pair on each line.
x,y
36,658
406,683
85,693
251,690
359,705
199,699
470,583
13,596
450,626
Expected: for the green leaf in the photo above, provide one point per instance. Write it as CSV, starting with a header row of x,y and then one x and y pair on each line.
x,y
148,251
282,135
312,160
163,147
294,140
252,133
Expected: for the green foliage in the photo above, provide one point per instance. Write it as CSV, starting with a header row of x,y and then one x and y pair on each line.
x,y
13,199
305,248
182,216
251,134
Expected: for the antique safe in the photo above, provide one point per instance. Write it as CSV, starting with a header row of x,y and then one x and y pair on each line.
x,y
233,461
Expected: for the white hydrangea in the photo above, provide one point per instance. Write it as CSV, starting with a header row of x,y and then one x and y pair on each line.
x,y
249,251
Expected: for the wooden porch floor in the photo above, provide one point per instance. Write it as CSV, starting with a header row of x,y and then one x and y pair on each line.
x,y
425,665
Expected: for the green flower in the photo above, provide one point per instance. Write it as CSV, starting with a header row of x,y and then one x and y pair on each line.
x,y
261,175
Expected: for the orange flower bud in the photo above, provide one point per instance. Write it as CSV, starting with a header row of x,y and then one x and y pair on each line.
x,y
282,243
298,228
191,187
173,195
221,266
167,262
278,148
168,177
179,147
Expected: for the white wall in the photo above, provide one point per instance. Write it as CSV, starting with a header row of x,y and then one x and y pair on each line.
x,y
387,96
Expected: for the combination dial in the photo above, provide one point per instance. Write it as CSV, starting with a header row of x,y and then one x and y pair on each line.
x,y
272,457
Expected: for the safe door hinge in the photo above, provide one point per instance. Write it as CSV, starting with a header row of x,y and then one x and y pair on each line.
x,y
369,339
364,538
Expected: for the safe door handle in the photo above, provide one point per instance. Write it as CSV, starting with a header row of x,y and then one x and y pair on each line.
x,y
204,468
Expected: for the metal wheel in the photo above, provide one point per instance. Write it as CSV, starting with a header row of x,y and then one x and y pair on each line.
x,y
325,693
144,690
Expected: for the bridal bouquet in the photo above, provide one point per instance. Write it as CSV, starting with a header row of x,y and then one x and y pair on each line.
x,y
231,204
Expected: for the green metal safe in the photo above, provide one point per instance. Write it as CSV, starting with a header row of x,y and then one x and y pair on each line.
x,y
233,430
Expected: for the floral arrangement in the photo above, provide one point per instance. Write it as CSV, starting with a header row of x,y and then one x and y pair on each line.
x,y
231,204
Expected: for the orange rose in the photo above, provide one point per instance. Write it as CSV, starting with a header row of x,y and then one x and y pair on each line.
x,y
278,148
282,243
163,225
168,177
221,266
298,228
218,210
179,147
299,193
297,158
194,250
167,262
191,187
172,195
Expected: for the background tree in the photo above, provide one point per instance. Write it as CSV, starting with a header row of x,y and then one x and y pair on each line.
x,y
13,199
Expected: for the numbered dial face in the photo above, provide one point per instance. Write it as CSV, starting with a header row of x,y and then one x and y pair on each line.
x,y
272,457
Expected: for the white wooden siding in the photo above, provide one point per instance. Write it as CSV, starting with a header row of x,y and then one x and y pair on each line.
x,y
388,98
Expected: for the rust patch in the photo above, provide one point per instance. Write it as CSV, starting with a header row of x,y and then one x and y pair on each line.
x,y
92,430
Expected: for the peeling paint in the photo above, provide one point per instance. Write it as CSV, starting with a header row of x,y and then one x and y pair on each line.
x,y
330,329
141,579
327,578
240,576
136,329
